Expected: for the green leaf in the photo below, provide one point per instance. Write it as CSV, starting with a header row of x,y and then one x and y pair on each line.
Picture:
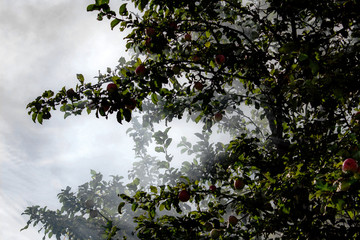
x,y
122,10
159,149
114,22
40,118
121,205
143,4
153,189
154,98
119,116
80,77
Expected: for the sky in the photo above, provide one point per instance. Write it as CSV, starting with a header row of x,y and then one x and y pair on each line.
x,y
44,44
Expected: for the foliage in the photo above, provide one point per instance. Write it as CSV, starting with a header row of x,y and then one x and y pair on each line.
x,y
281,78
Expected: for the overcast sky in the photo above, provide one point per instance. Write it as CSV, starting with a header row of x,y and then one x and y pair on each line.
x,y
44,44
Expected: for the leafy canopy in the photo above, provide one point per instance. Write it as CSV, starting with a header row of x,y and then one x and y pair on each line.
x,y
280,78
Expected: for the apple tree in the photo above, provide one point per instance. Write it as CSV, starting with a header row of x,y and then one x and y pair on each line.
x,y
280,78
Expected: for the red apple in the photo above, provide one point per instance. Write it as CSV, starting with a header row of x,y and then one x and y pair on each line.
x,y
350,165
184,196
220,59
233,220
239,184
187,37
196,58
140,70
198,86
111,87
173,25
218,116
212,188
105,105
70,93
150,31
131,104
148,42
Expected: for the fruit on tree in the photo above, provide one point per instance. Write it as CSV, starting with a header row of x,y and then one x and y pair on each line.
x,y
173,25
208,226
184,196
70,93
212,188
215,233
150,31
89,203
218,116
350,165
239,184
198,86
232,220
187,37
105,105
176,69
111,87
131,104
140,70
196,58
220,59
148,42
94,213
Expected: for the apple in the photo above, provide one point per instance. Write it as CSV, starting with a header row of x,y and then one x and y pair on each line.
x,y
111,87
94,213
208,226
198,86
131,104
196,58
89,203
105,105
184,196
239,184
140,70
173,25
350,165
176,69
218,116
212,188
187,37
70,93
215,233
220,59
232,220
148,42
150,31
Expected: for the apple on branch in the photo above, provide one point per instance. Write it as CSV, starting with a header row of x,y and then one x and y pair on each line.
x,y
239,184
184,196
187,37
150,31
218,116
220,59
111,87
140,70
350,165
